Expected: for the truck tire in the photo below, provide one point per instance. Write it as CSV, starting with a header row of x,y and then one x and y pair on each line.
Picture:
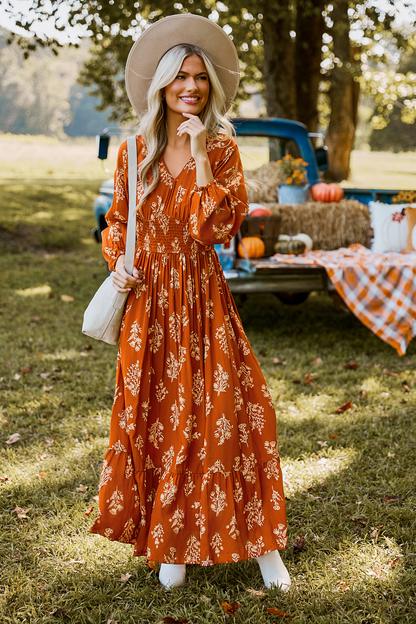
x,y
292,298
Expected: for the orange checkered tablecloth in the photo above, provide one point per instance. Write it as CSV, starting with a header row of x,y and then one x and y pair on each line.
x,y
380,289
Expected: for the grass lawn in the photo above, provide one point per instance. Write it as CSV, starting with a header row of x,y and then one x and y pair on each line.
x,y
349,477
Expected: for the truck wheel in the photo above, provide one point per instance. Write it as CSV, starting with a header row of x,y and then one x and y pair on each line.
x,y
292,298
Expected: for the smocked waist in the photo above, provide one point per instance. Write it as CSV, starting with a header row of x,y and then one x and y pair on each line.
x,y
166,236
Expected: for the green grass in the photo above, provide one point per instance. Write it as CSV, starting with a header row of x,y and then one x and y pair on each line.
x,y
57,395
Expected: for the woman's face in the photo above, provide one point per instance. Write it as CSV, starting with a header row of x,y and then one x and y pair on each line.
x,y
189,92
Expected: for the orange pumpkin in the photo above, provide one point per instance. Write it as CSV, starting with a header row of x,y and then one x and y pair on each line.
x,y
260,212
322,192
253,245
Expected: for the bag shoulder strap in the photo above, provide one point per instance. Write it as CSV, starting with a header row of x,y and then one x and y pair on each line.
x,y
131,222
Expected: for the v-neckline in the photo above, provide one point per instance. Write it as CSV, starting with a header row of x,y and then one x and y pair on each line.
x,y
167,170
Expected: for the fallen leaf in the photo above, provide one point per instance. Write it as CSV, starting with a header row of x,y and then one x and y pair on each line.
x,y
42,456
15,437
42,475
110,621
230,609
16,377
374,534
96,498
333,435
352,365
275,611
391,455
256,592
392,499
87,347
45,375
151,565
25,370
393,563
317,362
298,544
389,373
21,512
89,511
344,408
58,611
81,488
67,298
322,443
358,521
278,361
363,394
309,378
49,442
376,571
385,395
124,577
405,387
4,478
46,388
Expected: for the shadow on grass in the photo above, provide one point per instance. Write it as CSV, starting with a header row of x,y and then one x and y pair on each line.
x,y
338,467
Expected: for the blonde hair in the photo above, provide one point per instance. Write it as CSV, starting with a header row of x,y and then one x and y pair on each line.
x,y
152,125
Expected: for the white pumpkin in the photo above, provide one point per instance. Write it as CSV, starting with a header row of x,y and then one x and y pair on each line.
x,y
305,238
284,237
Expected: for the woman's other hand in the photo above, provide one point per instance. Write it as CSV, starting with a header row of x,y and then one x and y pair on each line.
x,y
122,281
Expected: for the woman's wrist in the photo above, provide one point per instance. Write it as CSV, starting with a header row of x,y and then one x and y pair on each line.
x,y
203,170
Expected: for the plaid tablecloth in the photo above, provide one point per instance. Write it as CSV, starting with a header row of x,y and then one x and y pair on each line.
x,y
380,289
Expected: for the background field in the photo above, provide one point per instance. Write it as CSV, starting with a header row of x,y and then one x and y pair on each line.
x,y
349,477
28,157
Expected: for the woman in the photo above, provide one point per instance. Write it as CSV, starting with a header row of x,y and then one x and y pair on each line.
x,y
192,472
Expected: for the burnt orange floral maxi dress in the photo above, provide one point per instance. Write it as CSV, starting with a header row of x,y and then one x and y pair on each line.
x,y
192,472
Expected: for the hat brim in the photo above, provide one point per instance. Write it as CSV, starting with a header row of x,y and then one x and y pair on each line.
x,y
168,32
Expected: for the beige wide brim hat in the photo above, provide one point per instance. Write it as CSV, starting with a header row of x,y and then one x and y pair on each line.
x,y
168,32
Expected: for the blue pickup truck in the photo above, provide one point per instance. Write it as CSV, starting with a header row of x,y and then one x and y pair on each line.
x,y
262,141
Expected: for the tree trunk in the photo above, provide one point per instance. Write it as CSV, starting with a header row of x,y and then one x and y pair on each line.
x,y
308,56
279,61
344,98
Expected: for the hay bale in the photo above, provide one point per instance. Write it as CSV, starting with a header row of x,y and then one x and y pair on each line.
x,y
330,225
261,183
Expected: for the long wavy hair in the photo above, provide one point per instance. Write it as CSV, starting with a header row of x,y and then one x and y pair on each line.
x,y
153,124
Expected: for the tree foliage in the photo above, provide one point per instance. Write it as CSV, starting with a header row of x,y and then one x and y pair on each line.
x,y
289,49
41,95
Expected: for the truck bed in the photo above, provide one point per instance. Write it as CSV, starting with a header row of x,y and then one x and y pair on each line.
x,y
271,276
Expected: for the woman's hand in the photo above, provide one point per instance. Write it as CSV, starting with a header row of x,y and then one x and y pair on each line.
x,y
122,281
197,132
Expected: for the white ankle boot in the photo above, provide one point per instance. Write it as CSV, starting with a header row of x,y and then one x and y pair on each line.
x,y
273,570
172,575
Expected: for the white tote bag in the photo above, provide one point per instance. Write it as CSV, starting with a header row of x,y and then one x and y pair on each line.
x,y
102,318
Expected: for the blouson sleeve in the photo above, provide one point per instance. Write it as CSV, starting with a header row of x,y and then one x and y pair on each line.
x,y
219,208
114,236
